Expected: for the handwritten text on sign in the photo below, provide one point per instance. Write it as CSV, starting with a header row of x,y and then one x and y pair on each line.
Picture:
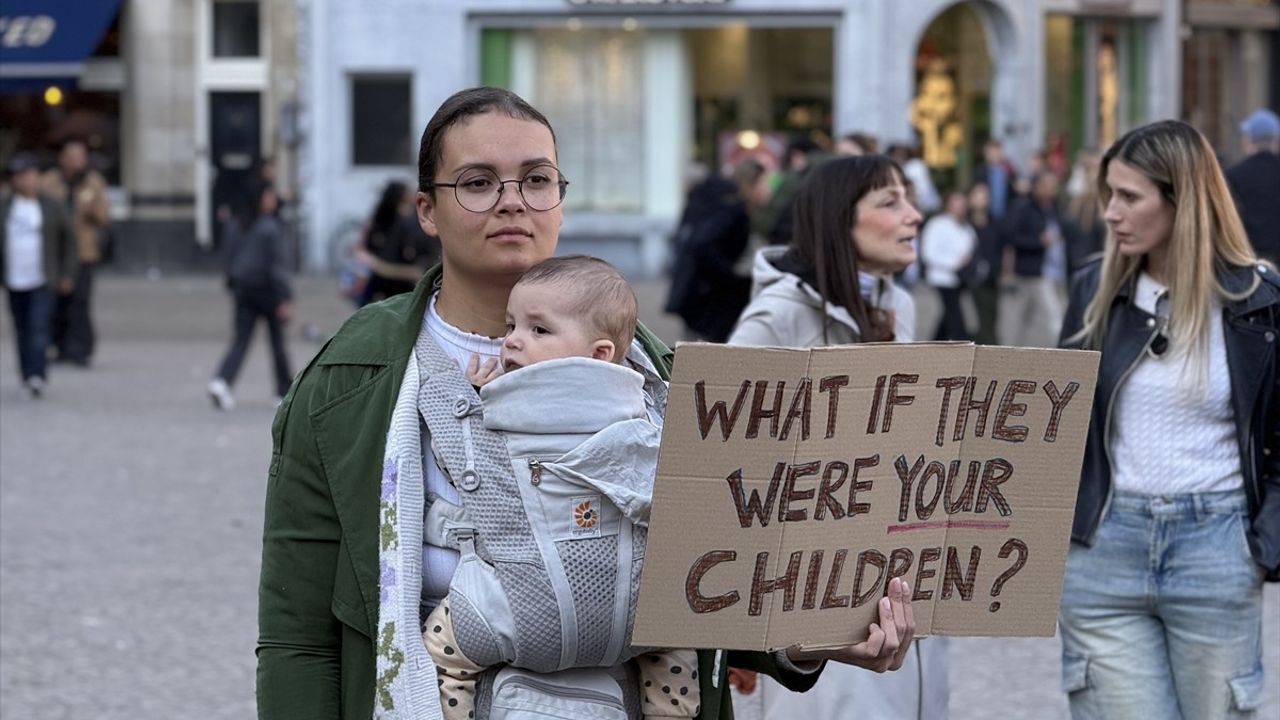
x,y
794,484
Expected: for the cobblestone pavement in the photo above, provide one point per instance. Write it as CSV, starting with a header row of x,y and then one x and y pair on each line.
x,y
130,525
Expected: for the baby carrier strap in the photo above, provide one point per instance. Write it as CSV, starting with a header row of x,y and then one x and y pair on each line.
x,y
447,525
477,461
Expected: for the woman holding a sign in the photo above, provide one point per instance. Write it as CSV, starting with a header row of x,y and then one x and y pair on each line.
x,y
1177,518
383,426
854,228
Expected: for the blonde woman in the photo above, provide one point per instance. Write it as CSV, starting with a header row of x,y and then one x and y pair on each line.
x,y
1178,513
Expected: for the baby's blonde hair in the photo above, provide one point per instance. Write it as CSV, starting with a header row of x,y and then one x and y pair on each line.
x,y
596,292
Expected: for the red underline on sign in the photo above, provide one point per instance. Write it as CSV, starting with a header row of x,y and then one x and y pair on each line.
x,y
967,524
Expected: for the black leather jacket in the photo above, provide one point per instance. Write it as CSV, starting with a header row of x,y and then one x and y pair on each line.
x,y
1250,327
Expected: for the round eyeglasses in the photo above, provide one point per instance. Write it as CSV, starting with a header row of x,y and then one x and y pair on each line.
x,y
478,189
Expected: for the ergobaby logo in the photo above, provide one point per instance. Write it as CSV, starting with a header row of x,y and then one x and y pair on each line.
x,y
586,516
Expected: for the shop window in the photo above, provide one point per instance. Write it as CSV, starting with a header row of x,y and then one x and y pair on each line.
x,y
236,29
591,87
951,108
28,123
773,82
380,115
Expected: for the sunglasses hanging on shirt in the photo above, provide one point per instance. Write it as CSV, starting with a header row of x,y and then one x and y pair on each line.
x,y
1160,343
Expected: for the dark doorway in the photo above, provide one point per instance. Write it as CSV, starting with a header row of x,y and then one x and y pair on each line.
x,y
235,148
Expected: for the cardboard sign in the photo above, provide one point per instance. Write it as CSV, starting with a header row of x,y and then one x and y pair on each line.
x,y
794,484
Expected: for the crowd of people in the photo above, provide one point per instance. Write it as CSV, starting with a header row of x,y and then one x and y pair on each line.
x,y
1152,255
446,590
995,256
53,232
416,562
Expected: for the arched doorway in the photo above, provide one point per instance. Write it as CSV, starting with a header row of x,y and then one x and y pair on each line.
x,y
964,83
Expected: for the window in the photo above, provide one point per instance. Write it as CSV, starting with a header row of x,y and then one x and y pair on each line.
x,y
591,87
380,115
235,29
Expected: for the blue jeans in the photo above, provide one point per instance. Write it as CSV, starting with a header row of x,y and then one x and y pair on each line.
x,y
32,312
1162,617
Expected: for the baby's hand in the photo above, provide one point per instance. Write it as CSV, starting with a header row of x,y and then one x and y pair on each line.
x,y
481,375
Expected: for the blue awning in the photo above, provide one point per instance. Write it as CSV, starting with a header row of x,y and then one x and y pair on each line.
x,y
46,42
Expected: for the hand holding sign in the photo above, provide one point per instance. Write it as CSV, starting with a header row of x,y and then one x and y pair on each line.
x,y
887,642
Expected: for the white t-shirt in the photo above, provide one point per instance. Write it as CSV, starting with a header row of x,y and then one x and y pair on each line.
x,y
24,261
945,246
439,563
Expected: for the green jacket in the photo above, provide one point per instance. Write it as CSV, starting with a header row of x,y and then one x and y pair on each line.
x,y
318,595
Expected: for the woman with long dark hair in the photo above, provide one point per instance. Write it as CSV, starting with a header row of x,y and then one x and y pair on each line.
x,y
854,228
1177,518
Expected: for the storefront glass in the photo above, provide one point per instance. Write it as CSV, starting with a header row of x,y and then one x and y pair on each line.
x,y
1095,81
775,82
593,81
1225,76
951,110
590,84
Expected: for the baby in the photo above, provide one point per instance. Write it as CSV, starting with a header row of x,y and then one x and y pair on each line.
x,y
585,451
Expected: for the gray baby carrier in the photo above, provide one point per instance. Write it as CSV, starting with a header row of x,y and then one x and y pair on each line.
x,y
552,481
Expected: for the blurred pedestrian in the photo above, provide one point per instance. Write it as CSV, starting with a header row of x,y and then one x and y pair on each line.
x,y
1255,183
84,192
1032,305
1083,229
775,221
947,245
383,422
707,292
258,276
917,172
1036,165
37,258
394,246
825,290
999,175
856,143
1177,517
982,276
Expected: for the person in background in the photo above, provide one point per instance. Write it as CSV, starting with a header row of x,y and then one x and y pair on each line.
x,y
394,246
1032,306
258,275
37,256
856,143
833,285
775,221
1255,183
947,245
1083,229
917,172
1177,520
706,290
84,192
998,174
982,276
1036,165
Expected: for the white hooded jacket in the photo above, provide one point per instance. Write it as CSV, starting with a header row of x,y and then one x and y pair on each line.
x,y
786,311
